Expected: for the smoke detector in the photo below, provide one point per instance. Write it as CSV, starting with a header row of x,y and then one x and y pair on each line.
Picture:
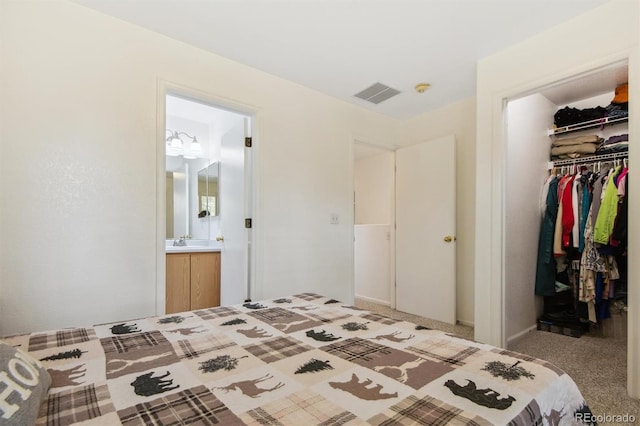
x,y
422,87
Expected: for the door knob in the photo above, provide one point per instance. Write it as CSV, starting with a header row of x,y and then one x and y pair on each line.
x,y
219,238
449,238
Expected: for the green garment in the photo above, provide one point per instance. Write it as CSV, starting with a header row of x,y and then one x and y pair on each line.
x,y
608,211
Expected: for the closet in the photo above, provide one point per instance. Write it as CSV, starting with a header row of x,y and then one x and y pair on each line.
x,y
531,141
582,249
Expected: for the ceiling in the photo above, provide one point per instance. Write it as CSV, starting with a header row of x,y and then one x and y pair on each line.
x,y
340,47
199,112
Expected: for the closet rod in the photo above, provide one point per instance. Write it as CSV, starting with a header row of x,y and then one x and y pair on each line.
x,y
592,159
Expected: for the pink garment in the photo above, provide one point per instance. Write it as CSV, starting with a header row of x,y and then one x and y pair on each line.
x,y
622,182
567,213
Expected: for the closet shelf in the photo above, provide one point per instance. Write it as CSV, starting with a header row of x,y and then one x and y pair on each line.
x,y
587,125
592,159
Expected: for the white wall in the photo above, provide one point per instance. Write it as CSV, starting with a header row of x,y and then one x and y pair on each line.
x,y
78,167
457,119
522,68
374,188
372,263
528,149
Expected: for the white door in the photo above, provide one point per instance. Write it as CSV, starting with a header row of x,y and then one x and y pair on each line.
x,y
425,229
233,275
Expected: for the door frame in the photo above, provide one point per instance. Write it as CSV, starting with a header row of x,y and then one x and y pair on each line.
x,y
254,258
490,216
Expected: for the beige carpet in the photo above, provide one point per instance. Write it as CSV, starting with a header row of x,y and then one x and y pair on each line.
x,y
596,361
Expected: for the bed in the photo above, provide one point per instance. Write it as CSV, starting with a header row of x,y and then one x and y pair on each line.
x,y
299,360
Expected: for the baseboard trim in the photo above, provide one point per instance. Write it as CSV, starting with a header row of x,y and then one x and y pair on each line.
x,y
521,335
373,300
464,322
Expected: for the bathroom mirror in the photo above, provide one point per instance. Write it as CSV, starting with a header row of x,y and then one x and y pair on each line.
x,y
177,204
208,190
184,196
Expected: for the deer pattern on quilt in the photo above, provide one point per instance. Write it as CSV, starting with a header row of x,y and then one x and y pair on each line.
x,y
393,337
250,387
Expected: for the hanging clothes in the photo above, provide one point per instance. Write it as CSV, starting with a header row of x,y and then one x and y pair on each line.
x,y
576,205
567,213
573,205
596,194
557,235
619,234
546,265
585,208
544,192
608,211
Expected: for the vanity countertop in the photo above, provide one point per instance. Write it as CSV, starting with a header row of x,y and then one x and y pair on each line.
x,y
193,246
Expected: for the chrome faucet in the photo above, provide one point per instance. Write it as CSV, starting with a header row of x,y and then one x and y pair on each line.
x,y
182,241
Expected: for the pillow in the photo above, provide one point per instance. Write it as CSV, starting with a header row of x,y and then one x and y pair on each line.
x,y
23,385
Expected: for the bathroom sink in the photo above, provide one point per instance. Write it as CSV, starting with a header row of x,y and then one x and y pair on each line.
x,y
193,245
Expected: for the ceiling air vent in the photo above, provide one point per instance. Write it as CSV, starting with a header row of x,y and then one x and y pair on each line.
x,y
377,93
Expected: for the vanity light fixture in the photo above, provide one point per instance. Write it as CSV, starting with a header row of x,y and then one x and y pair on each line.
x,y
176,146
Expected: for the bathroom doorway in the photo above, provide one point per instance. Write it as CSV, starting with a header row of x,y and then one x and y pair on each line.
x,y
205,186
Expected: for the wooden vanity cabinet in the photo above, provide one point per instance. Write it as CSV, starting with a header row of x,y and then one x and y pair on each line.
x,y
192,281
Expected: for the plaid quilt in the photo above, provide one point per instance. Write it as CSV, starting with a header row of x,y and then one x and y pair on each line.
x,y
300,360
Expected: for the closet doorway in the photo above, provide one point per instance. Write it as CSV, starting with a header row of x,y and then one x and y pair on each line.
x,y
537,149
531,141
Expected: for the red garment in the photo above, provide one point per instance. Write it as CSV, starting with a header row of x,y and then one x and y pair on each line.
x,y
557,233
567,213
